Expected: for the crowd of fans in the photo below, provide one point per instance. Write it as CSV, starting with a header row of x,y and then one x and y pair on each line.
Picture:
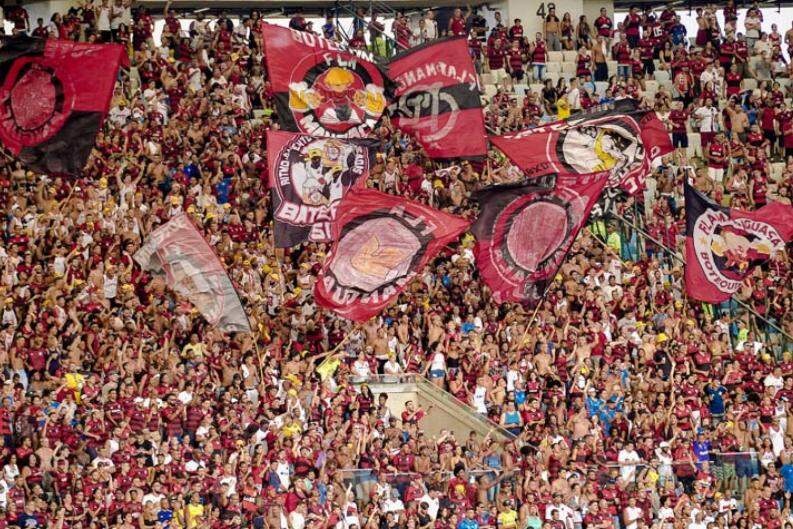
x,y
631,406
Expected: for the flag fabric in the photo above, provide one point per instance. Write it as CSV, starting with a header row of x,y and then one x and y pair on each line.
x,y
724,245
382,242
524,232
308,178
54,95
621,139
323,88
436,99
178,251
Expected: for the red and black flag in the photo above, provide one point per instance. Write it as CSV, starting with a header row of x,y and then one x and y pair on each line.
x,y
382,242
724,245
322,87
308,178
437,99
621,139
524,232
54,95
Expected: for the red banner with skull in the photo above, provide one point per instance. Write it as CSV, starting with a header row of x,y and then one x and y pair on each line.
x,y
524,232
724,245
382,242
621,139
308,178
54,95
437,99
322,87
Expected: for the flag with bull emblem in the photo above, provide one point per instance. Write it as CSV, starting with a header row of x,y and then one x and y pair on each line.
x,y
621,139
308,178
54,95
323,88
437,99
524,232
382,242
724,245
178,251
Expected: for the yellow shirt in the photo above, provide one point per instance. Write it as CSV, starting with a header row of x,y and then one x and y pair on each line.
x,y
508,519
196,512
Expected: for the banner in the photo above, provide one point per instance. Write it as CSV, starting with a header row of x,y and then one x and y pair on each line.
x,y
620,139
54,95
524,232
724,245
308,178
382,242
322,87
178,250
437,99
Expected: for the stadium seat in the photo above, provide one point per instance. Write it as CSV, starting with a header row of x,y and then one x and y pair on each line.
x,y
553,67
555,56
568,69
521,89
612,66
536,88
661,75
490,90
601,87
750,84
553,76
666,85
651,86
570,56
486,78
776,170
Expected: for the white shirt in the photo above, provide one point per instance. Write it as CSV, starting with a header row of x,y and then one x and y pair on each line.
x,y
708,118
574,99
634,515
628,472
430,28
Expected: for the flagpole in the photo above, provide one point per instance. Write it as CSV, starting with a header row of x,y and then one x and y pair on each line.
x,y
531,320
675,255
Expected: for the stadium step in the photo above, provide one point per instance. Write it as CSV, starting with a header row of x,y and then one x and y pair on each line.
x,y
444,411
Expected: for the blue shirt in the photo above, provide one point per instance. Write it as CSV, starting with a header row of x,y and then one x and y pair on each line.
x,y
465,523
716,400
787,477
702,450
678,32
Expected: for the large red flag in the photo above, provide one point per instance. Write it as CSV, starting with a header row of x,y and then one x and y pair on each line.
x,y
322,87
620,139
54,95
524,232
308,178
724,245
382,242
437,99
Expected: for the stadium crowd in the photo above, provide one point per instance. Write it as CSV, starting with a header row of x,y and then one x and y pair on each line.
x,y
631,407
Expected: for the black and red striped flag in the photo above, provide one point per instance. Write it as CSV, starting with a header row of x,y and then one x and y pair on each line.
x,y
436,99
724,245
524,232
382,242
323,88
620,138
54,95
